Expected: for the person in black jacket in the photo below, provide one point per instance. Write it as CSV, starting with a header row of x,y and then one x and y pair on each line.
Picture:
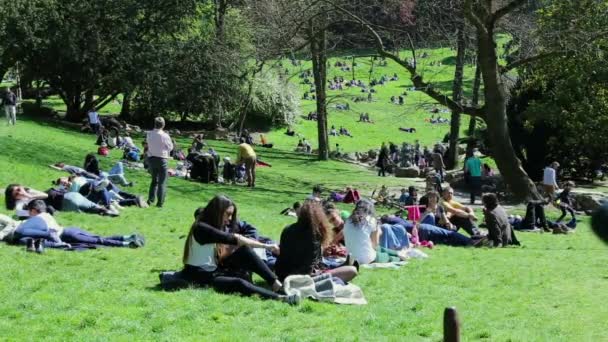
x,y
383,160
216,257
302,244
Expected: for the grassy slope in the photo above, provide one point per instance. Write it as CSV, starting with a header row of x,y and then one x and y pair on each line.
x,y
388,117
554,288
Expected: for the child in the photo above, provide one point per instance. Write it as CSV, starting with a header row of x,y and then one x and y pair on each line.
x,y
565,204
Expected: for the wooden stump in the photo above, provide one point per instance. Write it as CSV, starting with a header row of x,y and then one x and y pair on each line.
x,y
451,325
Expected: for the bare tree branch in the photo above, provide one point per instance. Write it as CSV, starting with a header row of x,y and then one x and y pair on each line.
x,y
527,60
511,6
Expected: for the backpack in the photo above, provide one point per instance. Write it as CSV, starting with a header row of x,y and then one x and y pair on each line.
x,y
131,155
103,151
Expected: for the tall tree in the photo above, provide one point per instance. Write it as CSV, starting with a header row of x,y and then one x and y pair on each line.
x,y
318,50
461,46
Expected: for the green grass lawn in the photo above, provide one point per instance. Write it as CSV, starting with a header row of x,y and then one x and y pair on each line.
x,y
553,288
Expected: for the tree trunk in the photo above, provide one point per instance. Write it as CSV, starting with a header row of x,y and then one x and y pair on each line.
x,y
319,69
74,112
245,108
89,97
509,165
475,99
125,109
452,157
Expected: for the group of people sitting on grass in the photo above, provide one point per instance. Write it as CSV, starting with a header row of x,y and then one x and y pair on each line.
x,y
342,131
364,117
219,252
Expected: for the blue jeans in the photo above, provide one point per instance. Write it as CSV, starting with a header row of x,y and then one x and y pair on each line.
x,y
74,201
442,236
394,237
78,235
117,174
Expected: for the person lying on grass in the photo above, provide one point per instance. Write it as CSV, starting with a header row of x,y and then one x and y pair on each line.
x,y
41,225
302,245
429,232
362,236
17,197
74,170
102,192
216,257
116,173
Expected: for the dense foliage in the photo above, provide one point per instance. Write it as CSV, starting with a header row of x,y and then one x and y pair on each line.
x,y
560,108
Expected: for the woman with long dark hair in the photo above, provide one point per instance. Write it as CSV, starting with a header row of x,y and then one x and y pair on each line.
x,y
302,245
214,256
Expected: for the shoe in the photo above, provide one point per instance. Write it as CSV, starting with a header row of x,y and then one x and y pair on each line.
x,y
112,213
30,246
39,246
129,184
139,239
141,202
293,299
135,244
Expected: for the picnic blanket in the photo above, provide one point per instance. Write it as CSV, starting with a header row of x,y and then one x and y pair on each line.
x,y
324,288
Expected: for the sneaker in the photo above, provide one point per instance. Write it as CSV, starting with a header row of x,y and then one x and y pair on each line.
x,y
112,213
293,299
141,202
30,246
135,244
39,246
139,239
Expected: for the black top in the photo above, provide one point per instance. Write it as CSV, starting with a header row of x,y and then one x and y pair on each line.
x,y
300,252
205,234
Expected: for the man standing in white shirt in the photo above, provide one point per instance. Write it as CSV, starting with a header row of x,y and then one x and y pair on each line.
x,y
94,120
550,180
159,149
10,106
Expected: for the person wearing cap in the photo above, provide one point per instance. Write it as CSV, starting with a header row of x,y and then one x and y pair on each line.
x,y
472,167
159,150
246,155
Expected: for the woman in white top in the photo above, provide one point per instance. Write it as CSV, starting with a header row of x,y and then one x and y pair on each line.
x,y
362,235
216,257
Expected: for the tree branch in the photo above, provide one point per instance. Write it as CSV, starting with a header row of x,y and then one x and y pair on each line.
x,y
527,60
511,6
469,13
